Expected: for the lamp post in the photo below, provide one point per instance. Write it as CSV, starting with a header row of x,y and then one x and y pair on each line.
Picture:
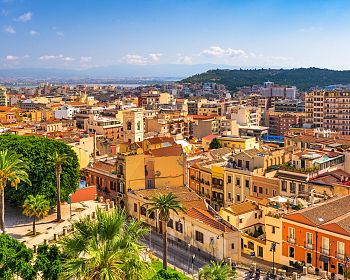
x,y
70,206
273,250
346,268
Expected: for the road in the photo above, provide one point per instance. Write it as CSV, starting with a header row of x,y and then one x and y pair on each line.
x,y
180,254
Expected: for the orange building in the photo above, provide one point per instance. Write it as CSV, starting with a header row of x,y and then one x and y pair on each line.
x,y
319,236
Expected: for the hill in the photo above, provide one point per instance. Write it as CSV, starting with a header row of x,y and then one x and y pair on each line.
x,y
302,78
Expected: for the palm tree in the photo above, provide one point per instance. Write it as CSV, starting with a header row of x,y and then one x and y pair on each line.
x,y
36,207
164,204
217,271
12,170
58,161
105,249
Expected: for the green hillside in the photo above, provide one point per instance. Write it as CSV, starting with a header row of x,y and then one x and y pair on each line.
x,y
302,78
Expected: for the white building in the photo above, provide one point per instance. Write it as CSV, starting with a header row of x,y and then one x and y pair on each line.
x,y
65,112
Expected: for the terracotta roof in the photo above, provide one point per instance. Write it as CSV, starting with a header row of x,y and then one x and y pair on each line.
x,y
158,140
175,150
205,217
210,137
322,213
242,208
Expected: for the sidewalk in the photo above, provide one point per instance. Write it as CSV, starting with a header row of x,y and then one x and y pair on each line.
x,y
18,226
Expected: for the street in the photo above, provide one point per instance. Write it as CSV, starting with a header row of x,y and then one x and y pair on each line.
x,y
180,254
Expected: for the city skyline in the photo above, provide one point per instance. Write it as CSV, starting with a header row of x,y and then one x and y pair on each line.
x,y
80,35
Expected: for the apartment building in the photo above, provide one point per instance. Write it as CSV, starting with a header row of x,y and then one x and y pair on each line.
x,y
245,115
280,122
110,128
319,237
328,110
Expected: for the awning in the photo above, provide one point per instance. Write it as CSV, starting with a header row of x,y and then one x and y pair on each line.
x,y
324,258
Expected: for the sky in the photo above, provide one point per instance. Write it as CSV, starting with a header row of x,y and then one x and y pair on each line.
x,y
80,34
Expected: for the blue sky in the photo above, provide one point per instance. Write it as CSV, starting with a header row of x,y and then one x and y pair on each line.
x,y
79,34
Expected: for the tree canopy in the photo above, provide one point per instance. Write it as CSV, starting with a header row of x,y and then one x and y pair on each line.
x,y
215,144
302,78
35,152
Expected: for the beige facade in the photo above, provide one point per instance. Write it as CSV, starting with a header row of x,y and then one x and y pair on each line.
x,y
133,127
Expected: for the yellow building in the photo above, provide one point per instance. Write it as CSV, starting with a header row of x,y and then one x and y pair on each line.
x,y
199,227
239,143
260,226
154,168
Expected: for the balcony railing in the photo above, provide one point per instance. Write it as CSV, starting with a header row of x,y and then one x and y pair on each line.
x,y
291,239
340,256
309,246
325,251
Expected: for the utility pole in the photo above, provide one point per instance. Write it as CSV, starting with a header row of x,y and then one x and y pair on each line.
x,y
273,250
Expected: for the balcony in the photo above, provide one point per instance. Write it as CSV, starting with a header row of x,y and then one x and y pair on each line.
x,y
340,256
291,239
309,246
325,251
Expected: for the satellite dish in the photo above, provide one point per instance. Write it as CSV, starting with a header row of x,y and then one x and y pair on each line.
x,y
157,173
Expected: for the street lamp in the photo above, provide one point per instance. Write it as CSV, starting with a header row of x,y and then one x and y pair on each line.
x,y
273,250
346,268
70,206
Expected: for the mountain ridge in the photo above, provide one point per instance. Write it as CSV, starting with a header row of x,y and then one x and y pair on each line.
x,y
302,78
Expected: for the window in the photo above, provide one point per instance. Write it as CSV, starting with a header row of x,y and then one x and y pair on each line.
x,y
341,250
284,186
291,234
247,184
260,252
240,220
256,215
267,191
128,124
170,223
232,246
273,229
291,252
228,218
260,190
254,188
308,238
247,164
178,227
151,215
240,163
325,246
292,187
229,196
250,245
199,237
143,211
238,197
238,182
135,207
229,180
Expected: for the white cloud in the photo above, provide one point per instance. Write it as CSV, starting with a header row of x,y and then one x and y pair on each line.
x,y
184,59
12,57
217,51
9,29
142,60
67,58
25,17
33,32
155,56
56,57
85,58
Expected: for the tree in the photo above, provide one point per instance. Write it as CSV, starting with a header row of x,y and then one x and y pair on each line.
x,y
15,259
58,160
217,271
105,249
36,207
48,262
13,171
164,204
35,152
215,144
